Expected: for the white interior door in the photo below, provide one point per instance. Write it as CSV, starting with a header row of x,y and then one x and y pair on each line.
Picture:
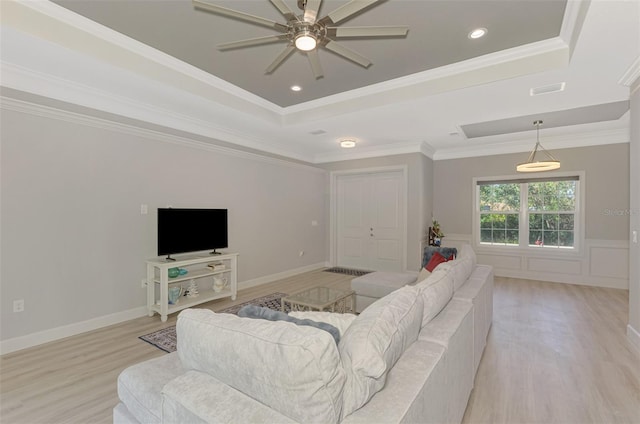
x,y
370,221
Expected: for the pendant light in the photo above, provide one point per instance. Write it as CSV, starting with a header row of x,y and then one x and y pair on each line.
x,y
531,165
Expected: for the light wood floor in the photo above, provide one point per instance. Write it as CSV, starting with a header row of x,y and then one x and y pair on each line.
x,y
556,353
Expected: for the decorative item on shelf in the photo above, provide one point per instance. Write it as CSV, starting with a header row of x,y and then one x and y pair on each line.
x,y
219,283
174,295
192,289
435,235
217,266
174,272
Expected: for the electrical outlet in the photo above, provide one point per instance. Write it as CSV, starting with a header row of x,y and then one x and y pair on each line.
x,y
18,305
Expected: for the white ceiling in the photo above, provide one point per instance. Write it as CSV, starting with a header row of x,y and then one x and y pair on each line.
x,y
160,66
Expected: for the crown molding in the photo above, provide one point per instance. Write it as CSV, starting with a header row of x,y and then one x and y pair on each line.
x,y
574,15
564,141
527,59
367,153
46,85
23,15
631,75
8,103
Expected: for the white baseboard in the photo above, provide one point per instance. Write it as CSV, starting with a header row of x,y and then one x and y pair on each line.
x,y
634,337
41,337
34,339
280,275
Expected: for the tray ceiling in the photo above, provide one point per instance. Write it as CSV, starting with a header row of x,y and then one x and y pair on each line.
x,y
156,63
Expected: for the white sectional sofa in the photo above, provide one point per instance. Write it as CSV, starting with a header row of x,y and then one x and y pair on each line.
x,y
410,357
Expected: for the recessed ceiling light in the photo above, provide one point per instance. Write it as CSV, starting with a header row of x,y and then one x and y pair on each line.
x,y
296,88
348,143
477,33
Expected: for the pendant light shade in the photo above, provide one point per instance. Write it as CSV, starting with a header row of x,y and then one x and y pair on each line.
x,y
533,165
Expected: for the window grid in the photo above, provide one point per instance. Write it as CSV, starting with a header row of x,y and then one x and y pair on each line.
x,y
545,218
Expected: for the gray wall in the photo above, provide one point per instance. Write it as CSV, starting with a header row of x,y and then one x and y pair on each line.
x,y
634,217
607,187
419,202
74,241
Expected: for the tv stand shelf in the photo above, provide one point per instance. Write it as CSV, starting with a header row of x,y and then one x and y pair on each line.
x,y
158,281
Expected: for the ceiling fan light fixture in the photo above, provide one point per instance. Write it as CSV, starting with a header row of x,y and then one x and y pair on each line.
x,y
306,42
532,165
348,143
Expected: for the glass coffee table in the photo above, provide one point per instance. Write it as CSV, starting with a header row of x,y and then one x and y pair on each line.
x,y
320,299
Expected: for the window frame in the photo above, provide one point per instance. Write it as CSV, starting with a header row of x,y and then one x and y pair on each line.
x,y
523,246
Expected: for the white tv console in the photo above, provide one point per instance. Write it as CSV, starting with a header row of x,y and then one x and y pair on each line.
x,y
158,281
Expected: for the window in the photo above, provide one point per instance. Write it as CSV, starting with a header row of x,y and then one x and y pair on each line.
x,y
533,213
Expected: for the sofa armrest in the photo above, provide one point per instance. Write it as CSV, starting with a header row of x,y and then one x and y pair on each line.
x,y
340,321
197,397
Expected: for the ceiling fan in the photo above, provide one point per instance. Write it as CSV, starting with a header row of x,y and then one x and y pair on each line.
x,y
306,32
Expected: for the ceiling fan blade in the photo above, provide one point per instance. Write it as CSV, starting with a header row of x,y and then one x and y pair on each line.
x,y
314,61
285,10
368,31
347,10
348,53
311,10
253,42
238,15
281,58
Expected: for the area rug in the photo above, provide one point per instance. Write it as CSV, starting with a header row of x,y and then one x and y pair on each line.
x,y
166,339
354,272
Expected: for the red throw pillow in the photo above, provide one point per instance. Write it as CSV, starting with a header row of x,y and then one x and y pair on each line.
x,y
435,260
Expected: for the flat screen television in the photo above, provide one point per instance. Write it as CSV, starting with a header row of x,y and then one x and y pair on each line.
x,y
191,230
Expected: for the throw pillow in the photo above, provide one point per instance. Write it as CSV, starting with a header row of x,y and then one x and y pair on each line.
x,y
293,369
436,260
436,292
423,275
375,341
338,320
467,252
260,312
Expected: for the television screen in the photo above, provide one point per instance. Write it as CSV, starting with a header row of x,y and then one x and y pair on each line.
x,y
191,230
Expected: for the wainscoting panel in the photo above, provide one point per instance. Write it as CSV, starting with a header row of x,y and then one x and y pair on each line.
x,y
559,266
511,262
610,262
603,263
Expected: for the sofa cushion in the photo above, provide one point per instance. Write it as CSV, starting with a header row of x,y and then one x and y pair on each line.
x,y
379,284
436,291
467,252
260,312
196,397
295,370
460,270
139,386
375,340
423,275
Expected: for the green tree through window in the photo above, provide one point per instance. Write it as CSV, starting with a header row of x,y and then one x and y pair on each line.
x,y
499,214
534,213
